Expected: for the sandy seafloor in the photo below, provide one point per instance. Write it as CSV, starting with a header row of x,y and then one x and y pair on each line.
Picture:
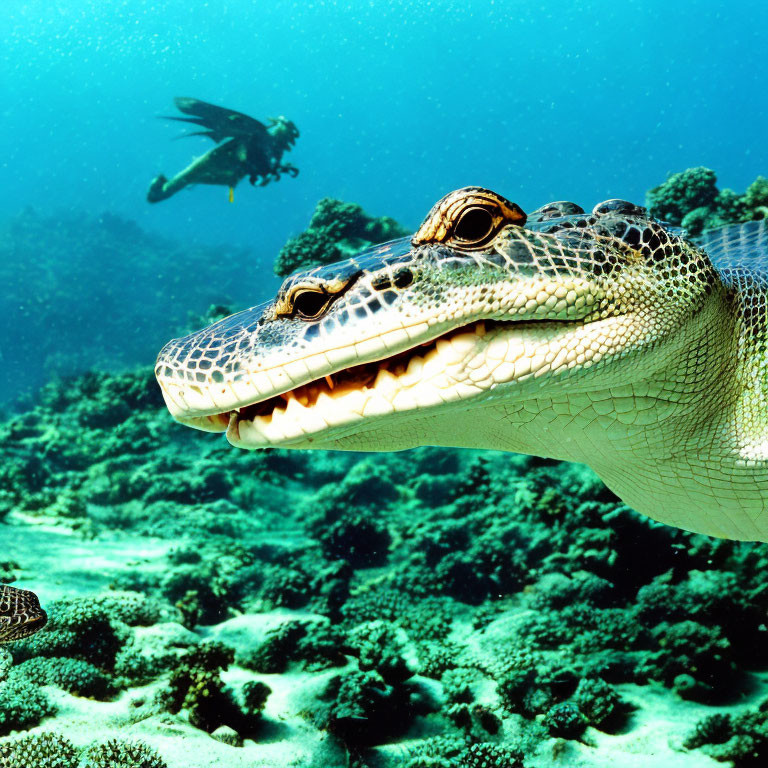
x,y
65,565
511,545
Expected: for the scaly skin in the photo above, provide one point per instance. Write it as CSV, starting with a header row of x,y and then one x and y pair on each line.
x,y
602,338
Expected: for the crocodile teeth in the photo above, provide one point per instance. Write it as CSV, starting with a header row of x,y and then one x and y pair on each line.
x,y
385,381
294,409
377,406
415,367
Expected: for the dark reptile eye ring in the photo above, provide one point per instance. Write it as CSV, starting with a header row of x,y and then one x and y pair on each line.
x,y
474,224
310,304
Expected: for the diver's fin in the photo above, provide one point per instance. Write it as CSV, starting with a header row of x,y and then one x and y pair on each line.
x,y
219,123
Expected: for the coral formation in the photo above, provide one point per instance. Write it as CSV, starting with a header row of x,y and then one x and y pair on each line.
x,y
195,686
117,753
692,200
52,750
741,740
22,705
41,750
80,629
73,675
362,709
336,231
314,645
536,559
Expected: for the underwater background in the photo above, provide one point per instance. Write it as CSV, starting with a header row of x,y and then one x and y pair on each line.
x,y
429,609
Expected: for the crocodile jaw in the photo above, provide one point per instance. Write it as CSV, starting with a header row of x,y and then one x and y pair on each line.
x,y
464,370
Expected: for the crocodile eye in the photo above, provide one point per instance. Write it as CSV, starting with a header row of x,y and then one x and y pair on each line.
x,y
310,304
474,225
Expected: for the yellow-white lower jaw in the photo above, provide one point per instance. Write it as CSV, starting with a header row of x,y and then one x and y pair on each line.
x,y
325,407
466,364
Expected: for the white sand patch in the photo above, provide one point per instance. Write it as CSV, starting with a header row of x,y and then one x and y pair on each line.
x,y
59,562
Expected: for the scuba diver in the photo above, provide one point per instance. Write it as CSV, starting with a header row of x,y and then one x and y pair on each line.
x,y
245,147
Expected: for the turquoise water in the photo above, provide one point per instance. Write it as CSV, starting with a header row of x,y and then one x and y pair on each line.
x,y
430,609
397,104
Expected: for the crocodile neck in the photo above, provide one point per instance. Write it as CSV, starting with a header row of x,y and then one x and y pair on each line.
x,y
656,440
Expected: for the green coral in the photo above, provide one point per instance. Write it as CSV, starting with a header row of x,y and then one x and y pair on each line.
x,y
442,752
600,704
682,193
78,628
345,516
741,740
492,756
6,662
437,752
756,196
52,750
379,647
336,231
713,729
117,753
314,644
131,608
87,650
361,709
277,650
696,660
40,750
565,720
692,200
22,705
358,537
196,687
73,675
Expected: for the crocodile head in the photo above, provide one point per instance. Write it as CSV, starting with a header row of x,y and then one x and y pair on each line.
x,y
432,340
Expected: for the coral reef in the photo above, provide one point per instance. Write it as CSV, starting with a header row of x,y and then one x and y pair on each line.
x,y
22,705
52,750
195,685
741,740
42,750
73,675
434,609
503,604
117,753
336,231
692,200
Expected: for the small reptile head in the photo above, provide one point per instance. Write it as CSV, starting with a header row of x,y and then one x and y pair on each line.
x,y
20,614
482,305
